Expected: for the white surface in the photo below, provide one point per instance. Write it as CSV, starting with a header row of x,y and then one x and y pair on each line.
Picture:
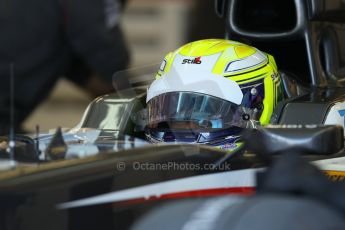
x,y
333,117
196,78
233,179
336,164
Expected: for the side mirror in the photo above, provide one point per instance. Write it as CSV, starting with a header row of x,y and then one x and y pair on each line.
x,y
267,17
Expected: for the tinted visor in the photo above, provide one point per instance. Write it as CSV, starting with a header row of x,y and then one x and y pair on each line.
x,y
189,110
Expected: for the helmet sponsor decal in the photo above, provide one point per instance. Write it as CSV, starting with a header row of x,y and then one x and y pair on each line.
x,y
196,60
228,146
194,64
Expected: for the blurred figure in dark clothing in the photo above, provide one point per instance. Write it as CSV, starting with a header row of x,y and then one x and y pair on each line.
x,y
47,39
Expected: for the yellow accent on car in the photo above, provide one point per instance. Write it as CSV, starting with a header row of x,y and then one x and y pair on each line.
x,y
334,175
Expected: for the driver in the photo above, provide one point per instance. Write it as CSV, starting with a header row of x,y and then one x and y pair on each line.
x,y
207,91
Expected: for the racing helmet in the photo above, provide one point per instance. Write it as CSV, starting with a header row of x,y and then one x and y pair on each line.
x,y
208,91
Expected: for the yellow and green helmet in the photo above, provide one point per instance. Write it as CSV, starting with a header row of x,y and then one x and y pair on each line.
x,y
207,91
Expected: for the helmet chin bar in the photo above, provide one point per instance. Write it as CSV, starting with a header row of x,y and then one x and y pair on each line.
x,y
228,139
194,136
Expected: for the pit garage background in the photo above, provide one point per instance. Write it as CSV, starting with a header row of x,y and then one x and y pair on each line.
x,y
152,29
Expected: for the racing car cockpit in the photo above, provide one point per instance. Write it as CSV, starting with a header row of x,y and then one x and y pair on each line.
x,y
303,36
87,176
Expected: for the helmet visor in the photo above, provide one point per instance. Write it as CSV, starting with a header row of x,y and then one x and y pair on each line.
x,y
190,110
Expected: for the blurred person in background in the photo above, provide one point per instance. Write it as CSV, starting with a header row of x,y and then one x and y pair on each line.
x,y
47,39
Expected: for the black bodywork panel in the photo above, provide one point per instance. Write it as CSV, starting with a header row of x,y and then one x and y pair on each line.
x,y
310,108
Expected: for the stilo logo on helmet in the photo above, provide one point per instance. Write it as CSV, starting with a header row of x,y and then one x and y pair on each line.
x,y
196,60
